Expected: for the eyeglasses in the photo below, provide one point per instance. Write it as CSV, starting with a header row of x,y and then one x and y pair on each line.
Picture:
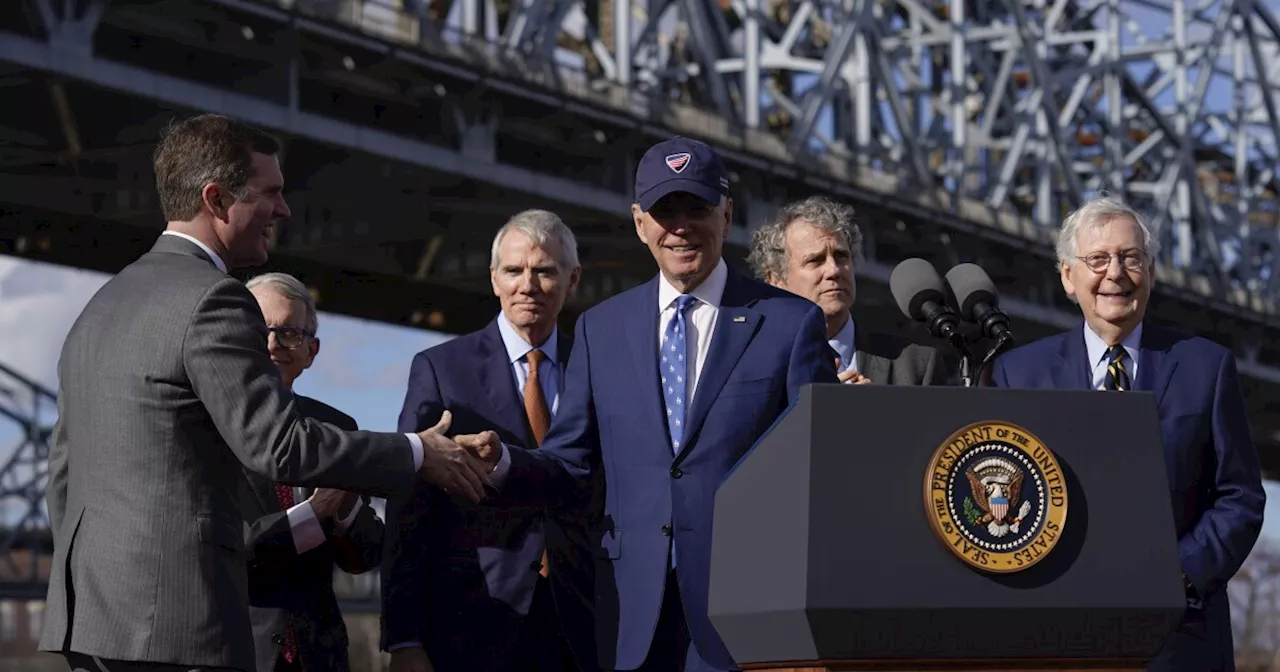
x,y
290,337
1098,262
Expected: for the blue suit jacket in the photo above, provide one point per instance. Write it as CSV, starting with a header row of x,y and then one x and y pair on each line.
x,y
1215,481
766,345
458,577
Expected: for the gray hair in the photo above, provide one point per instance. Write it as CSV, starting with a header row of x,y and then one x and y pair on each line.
x,y
290,288
769,242
540,226
1096,213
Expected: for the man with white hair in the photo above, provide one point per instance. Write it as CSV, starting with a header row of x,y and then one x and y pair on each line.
x,y
295,536
1106,258
476,587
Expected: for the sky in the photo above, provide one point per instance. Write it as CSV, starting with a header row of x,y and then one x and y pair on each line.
x,y
362,369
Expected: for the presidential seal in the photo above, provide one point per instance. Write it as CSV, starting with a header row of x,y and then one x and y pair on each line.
x,y
996,497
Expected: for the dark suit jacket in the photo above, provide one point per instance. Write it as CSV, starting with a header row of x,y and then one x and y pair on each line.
x,y
165,391
889,359
457,577
282,582
766,345
1215,482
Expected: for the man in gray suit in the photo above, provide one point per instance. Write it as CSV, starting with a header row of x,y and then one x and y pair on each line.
x,y
810,250
165,391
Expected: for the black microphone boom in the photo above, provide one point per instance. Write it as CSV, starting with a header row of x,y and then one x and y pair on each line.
x,y
919,293
978,302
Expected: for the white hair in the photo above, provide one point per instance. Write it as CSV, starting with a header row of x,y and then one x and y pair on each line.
x,y
540,226
290,288
1096,213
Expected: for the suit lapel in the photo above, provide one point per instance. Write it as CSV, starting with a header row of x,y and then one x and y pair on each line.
x,y
1072,370
642,335
1155,366
497,381
878,369
735,325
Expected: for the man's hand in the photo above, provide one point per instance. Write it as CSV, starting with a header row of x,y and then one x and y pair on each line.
x,y
852,377
329,503
449,466
410,659
484,445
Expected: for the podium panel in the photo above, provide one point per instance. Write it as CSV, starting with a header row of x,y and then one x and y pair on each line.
x,y
824,549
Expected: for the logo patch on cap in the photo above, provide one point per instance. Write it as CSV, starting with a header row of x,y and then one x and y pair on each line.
x,y
678,162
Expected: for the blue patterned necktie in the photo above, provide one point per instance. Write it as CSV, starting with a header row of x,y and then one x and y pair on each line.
x,y
673,367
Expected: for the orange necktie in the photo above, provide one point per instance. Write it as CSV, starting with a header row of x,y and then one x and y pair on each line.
x,y
535,409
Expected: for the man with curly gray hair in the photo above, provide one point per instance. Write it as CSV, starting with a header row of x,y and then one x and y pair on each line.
x,y
810,250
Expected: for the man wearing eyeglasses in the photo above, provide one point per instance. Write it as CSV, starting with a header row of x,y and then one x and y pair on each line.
x,y
293,536
1106,255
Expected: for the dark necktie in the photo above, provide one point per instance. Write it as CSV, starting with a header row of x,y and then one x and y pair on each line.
x,y
1117,377
535,409
289,650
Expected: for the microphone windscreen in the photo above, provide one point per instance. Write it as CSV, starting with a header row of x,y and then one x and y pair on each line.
x,y
913,282
971,285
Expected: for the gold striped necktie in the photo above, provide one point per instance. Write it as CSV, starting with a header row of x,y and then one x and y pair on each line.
x,y
1117,376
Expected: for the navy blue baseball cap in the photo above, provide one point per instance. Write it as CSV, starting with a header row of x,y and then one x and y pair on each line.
x,y
680,164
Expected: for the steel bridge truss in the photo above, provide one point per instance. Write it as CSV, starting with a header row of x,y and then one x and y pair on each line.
x,y
25,541
1011,106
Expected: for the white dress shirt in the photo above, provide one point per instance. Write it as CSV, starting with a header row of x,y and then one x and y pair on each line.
x,y
1097,350
307,533
700,320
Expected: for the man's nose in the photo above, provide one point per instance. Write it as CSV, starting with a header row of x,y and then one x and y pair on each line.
x,y
282,209
1115,268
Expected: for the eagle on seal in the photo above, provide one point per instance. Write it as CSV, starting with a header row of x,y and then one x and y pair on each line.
x,y
997,487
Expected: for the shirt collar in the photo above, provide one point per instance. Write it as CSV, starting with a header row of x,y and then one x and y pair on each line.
x,y
1097,349
842,343
710,292
217,261
517,347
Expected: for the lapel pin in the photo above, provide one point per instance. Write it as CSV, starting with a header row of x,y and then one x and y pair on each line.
x,y
740,318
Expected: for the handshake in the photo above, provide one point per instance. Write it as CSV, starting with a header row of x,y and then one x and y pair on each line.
x,y
461,465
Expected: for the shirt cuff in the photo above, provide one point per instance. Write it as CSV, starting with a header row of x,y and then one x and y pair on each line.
x,y
345,523
499,474
415,442
307,533
404,645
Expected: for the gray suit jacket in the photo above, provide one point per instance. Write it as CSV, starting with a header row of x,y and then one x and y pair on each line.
x,y
165,391
889,359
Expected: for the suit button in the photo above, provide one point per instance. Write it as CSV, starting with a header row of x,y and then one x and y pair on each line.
x,y
676,473
666,530
277,638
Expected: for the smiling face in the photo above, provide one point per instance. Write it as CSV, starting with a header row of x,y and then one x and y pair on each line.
x,y
244,226
281,313
685,235
532,283
1113,298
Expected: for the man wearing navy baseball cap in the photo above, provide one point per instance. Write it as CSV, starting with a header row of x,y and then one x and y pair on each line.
x,y
669,384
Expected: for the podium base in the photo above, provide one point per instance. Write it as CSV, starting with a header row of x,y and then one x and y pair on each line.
x,y
1038,665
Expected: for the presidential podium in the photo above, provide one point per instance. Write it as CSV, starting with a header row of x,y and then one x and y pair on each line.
x,y
943,528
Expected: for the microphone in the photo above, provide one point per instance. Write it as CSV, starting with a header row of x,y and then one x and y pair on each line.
x,y
978,302
920,296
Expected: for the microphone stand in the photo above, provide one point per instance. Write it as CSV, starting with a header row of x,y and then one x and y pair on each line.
x,y
966,358
1003,342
